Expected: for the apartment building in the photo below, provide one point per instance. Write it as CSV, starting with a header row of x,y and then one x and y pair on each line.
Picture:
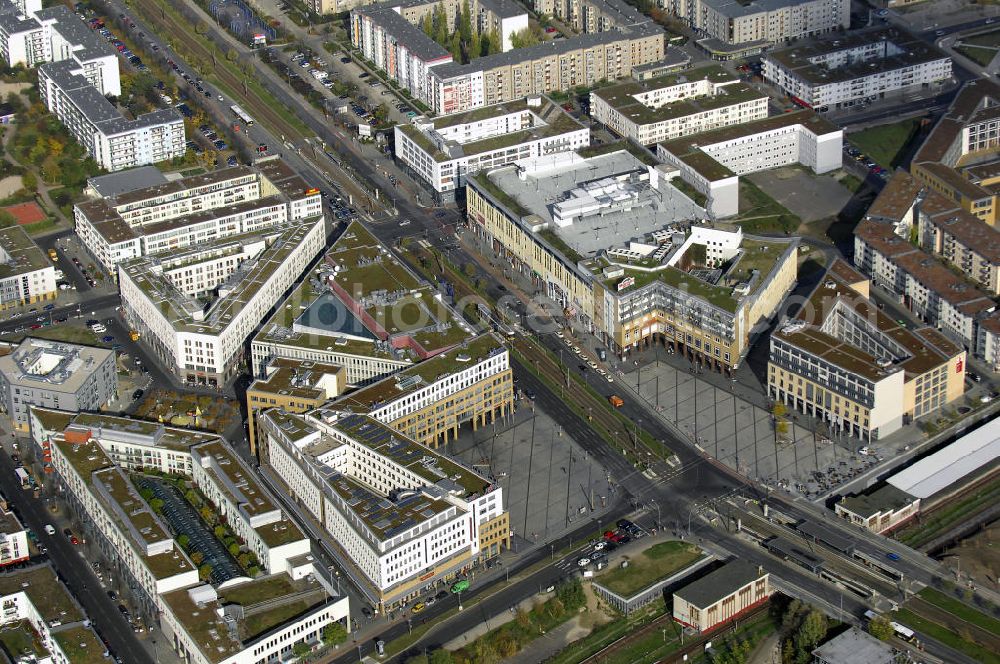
x,y
54,374
617,253
712,161
388,35
130,532
665,108
443,152
836,73
30,36
127,530
959,158
362,309
136,220
13,537
40,613
295,386
406,516
27,275
735,22
243,278
921,282
112,140
470,384
590,16
845,362
721,595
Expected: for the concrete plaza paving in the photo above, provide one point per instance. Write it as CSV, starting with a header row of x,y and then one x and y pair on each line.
x,y
550,484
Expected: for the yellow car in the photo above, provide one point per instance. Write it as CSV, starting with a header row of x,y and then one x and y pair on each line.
x,y
418,607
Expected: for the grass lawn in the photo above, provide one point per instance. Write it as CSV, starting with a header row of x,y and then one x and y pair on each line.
x,y
20,639
60,332
886,144
946,636
981,56
958,608
985,39
655,563
759,213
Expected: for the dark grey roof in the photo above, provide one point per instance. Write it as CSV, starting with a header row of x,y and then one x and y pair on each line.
x,y
826,535
404,32
87,44
11,23
503,8
114,184
94,106
721,583
518,55
672,57
886,498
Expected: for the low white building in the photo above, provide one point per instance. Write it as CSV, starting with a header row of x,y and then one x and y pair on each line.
x,y
38,606
145,220
405,515
27,275
13,537
769,21
680,104
712,162
838,72
249,275
112,140
442,152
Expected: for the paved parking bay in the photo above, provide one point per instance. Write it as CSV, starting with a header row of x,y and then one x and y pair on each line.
x,y
183,520
550,484
811,197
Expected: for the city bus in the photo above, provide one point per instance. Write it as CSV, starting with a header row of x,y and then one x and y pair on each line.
x,y
242,115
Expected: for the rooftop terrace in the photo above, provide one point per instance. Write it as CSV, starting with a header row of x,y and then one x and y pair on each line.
x,y
46,592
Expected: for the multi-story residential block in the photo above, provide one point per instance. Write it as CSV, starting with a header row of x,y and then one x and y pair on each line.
x,y
960,238
13,537
388,36
845,362
30,36
406,516
712,161
163,298
27,275
721,595
469,384
938,296
590,16
735,22
662,109
960,158
127,530
41,617
137,220
362,309
836,73
112,140
54,374
294,386
613,253
204,623
443,152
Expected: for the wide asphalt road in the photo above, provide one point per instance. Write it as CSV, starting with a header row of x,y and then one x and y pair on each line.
x,y
75,570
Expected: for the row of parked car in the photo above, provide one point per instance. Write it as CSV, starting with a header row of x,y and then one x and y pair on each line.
x,y
867,162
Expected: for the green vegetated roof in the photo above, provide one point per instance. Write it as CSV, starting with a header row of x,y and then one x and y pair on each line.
x,y
719,296
483,181
636,151
46,592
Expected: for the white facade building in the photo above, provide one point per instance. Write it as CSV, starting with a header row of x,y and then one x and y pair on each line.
x,y
838,72
404,514
204,344
13,537
664,108
194,211
26,273
114,142
712,161
443,152
773,21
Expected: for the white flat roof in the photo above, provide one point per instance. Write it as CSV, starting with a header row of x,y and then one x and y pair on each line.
x,y
951,463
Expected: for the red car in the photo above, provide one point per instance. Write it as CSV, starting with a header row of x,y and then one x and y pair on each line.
x,y
612,536
36,326
74,540
550,30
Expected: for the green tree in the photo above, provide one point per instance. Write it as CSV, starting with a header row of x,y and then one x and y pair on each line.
x,y
156,504
528,37
301,649
183,541
234,549
468,269
880,628
492,44
417,659
146,493
475,46
441,656
197,557
334,633
465,22
7,219
571,594
232,54
427,24
440,22
204,572
455,46
29,182
220,531
813,629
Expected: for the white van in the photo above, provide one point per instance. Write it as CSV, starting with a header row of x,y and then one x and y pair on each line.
x,y
49,529
98,329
